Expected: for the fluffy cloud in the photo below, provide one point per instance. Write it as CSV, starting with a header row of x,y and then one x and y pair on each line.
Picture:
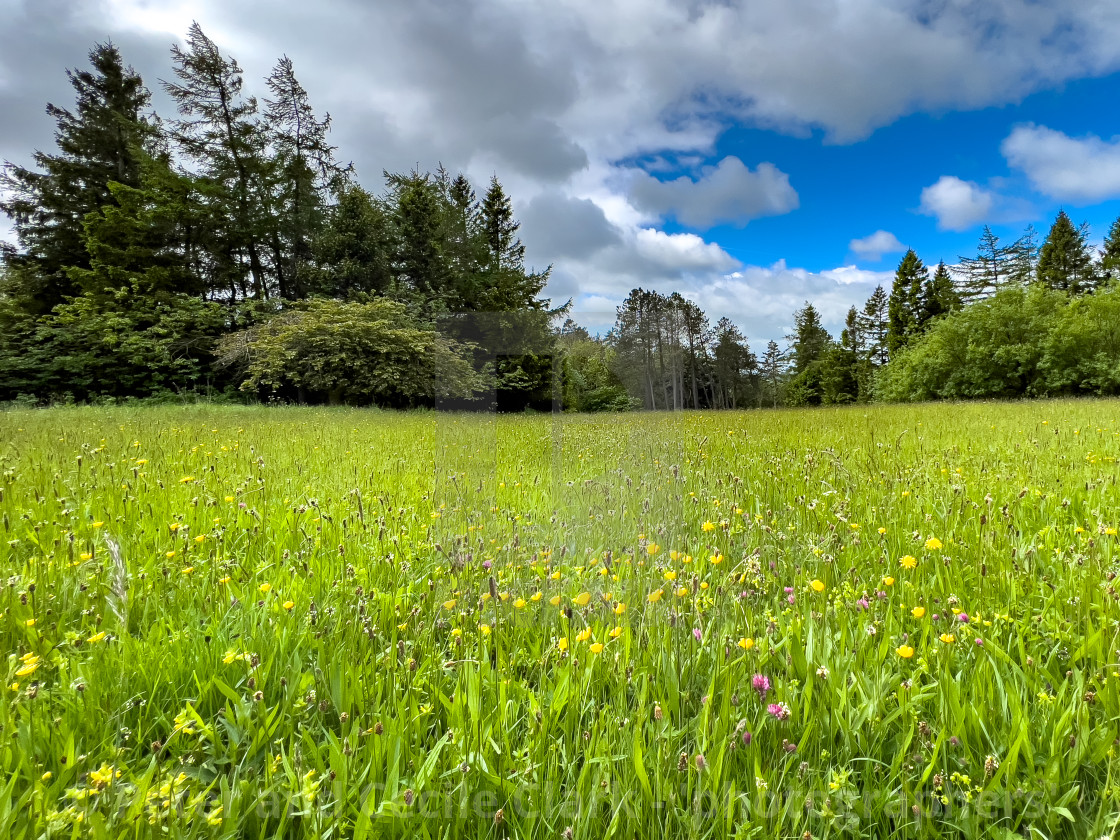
x,y
729,192
957,204
874,246
1078,169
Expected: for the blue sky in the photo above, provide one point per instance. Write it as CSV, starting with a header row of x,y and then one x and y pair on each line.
x,y
737,151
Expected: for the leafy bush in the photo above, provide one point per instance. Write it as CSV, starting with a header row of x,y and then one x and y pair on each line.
x,y
351,352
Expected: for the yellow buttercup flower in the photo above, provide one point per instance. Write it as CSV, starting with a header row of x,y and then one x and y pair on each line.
x,y
265,588
918,612
616,632
933,544
554,600
652,549
888,581
670,575
597,647
536,596
905,651
708,526
96,637
620,608
654,596
583,635
449,605
582,599
288,605
746,643
908,562
818,585
562,643
947,638
520,603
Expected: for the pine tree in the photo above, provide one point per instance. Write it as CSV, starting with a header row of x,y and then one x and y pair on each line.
x,y
100,142
771,370
506,250
304,174
939,296
1065,263
1023,261
989,271
905,302
1110,254
218,128
875,323
810,339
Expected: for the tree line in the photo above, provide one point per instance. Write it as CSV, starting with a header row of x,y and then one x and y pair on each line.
x,y
1016,319
227,249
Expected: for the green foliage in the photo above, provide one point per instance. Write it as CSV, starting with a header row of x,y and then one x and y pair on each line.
x,y
904,306
240,623
351,352
1065,263
590,383
1018,343
100,142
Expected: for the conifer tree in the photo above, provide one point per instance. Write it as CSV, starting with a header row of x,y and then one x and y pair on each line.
x,y
1110,254
99,142
989,271
218,128
939,296
875,323
904,305
1065,263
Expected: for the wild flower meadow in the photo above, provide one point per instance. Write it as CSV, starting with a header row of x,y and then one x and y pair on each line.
x,y
873,622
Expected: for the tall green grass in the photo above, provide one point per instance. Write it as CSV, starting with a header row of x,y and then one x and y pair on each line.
x,y
231,622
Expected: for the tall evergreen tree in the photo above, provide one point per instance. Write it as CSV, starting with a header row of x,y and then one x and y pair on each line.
x,y
990,270
100,141
1110,254
810,339
939,296
219,129
905,302
771,370
304,175
1023,261
875,323
1065,263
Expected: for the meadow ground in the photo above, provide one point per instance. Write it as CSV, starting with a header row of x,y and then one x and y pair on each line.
x,y
282,622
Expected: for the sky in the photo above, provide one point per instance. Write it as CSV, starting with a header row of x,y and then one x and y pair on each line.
x,y
749,154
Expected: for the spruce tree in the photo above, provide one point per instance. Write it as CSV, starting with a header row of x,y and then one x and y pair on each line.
x,y
875,323
1110,254
304,175
1065,263
989,271
218,128
905,302
810,339
100,142
939,296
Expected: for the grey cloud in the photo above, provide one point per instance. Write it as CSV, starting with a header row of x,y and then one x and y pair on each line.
x,y
555,226
729,192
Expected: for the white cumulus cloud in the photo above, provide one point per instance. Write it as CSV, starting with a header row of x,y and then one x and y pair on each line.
x,y
1083,170
956,204
874,246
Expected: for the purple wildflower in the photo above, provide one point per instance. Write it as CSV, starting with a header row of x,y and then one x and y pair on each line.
x,y
486,565
746,739
962,618
862,603
761,684
778,710
697,633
